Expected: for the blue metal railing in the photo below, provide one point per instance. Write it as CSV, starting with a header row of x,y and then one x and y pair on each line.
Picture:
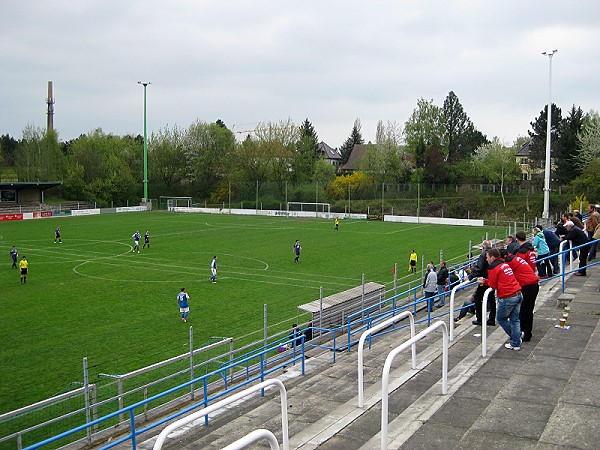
x,y
256,364
255,371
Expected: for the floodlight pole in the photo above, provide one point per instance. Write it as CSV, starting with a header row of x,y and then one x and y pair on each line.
x,y
546,213
145,84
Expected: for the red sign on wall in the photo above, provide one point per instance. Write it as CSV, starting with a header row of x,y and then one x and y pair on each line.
x,y
38,214
5,217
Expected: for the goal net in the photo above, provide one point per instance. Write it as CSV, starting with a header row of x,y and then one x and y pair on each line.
x,y
302,208
175,202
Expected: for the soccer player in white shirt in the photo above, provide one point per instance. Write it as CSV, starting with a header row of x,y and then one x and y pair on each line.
x,y
213,270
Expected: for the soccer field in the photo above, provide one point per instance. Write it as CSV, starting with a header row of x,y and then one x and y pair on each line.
x,y
92,297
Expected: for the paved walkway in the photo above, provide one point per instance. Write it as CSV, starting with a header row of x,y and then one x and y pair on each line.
x,y
545,396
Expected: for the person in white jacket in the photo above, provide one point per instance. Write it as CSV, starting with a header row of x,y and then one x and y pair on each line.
x,y
430,286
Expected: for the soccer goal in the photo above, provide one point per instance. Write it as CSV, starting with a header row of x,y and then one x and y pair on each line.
x,y
306,209
176,202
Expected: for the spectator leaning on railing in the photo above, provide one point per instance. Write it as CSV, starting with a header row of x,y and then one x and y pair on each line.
x,y
480,270
508,293
541,246
590,227
578,237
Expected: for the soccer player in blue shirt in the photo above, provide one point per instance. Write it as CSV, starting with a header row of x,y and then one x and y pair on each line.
x,y
14,254
136,241
213,270
297,250
57,235
184,307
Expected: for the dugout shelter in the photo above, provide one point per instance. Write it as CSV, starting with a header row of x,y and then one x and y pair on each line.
x,y
19,193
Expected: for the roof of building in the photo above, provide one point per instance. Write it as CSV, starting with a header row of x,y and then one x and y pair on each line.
x,y
328,152
525,149
353,161
30,185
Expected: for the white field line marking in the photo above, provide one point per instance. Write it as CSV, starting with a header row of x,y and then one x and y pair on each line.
x,y
198,275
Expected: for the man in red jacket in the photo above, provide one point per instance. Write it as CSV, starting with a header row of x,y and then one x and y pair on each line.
x,y
509,296
525,250
530,288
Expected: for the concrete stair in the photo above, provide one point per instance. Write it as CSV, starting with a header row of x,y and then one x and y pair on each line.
x,y
507,399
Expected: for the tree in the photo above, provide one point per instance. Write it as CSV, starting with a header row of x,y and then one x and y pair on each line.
x,y
424,129
9,148
249,163
497,164
108,167
589,142
277,142
565,152
324,172
386,160
167,160
354,138
589,180
435,166
40,157
306,153
461,137
207,145
538,135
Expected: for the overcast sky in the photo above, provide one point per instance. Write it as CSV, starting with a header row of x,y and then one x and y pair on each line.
x,y
251,61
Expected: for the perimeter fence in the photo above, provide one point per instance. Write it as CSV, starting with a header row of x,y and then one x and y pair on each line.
x,y
487,202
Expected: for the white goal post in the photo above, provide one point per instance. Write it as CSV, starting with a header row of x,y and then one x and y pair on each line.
x,y
308,207
175,202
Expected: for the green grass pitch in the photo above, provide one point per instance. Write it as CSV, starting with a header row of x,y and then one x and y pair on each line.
x,y
92,297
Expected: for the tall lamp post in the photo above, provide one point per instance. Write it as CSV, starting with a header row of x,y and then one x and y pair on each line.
x,y
546,213
145,84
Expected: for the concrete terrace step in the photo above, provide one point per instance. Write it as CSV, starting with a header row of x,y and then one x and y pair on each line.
x,y
508,399
324,402
544,396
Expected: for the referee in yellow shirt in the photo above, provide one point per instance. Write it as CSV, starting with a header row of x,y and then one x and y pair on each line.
x,y
23,265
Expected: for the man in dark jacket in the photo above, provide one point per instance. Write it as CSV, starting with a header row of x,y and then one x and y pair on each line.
x,y
553,242
512,245
480,269
442,278
578,237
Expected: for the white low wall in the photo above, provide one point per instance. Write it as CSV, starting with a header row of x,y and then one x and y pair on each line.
x,y
85,212
131,209
268,212
434,220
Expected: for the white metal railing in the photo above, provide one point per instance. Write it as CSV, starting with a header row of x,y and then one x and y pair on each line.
x,y
561,256
376,328
487,293
385,381
252,437
452,297
211,408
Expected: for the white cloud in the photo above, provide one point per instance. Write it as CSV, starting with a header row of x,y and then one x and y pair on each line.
x,y
331,61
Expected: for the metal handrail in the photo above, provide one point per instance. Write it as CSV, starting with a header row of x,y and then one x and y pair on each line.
x,y
205,411
376,328
461,285
385,381
252,437
484,321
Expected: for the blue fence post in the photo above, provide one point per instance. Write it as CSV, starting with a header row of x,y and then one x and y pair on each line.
x,y
132,428
205,386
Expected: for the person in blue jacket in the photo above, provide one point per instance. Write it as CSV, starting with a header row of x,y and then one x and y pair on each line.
x,y
541,246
